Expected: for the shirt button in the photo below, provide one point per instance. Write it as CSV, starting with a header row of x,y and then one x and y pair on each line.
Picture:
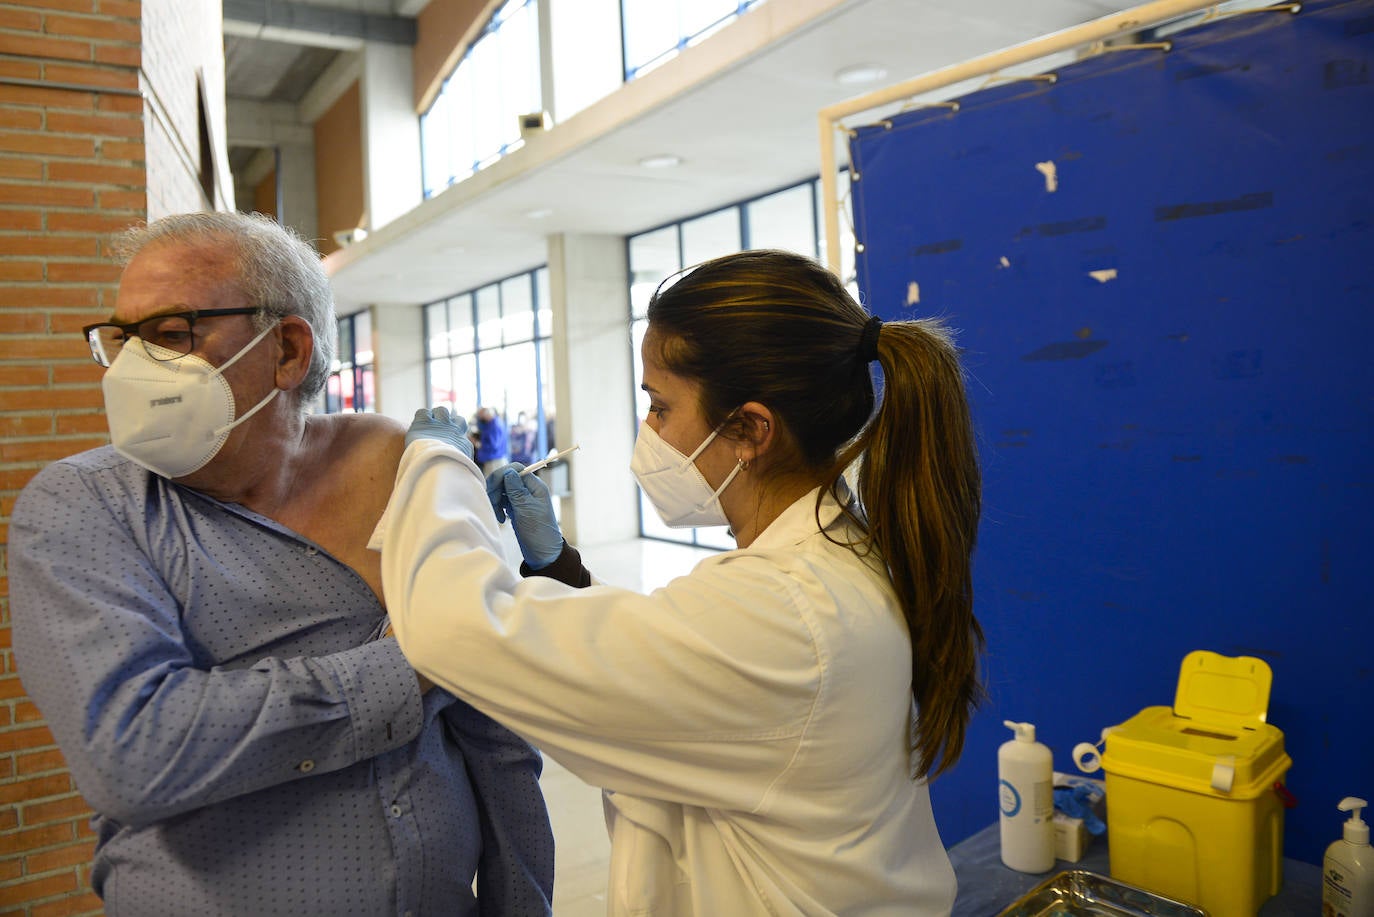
x,y
307,766
395,811
311,550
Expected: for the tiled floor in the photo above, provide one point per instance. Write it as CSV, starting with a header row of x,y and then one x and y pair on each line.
x,y
579,828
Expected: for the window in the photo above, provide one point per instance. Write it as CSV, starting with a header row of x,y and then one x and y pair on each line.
x,y
490,347
352,385
787,219
656,30
474,120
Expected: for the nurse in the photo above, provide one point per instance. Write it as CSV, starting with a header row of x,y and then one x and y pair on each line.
x,y
762,728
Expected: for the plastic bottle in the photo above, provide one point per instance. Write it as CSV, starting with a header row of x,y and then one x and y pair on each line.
x,y
1348,868
1025,774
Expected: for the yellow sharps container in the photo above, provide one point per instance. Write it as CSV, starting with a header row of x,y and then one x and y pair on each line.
x,y
1193,805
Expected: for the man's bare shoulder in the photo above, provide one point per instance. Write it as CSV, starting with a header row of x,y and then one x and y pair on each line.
x,y
350,440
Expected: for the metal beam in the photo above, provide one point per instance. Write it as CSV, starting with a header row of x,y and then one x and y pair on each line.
x,y
302,23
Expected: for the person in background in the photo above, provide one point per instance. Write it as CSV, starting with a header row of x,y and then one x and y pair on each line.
x,y
493,445
763,728
523,437
197,615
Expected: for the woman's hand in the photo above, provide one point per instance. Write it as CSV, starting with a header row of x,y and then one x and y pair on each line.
x,y
527,502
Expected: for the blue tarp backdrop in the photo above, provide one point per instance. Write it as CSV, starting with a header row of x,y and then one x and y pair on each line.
x,y
1161,268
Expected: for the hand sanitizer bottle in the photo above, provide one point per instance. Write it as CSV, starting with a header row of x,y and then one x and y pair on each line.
x,y
1348,868
1025,774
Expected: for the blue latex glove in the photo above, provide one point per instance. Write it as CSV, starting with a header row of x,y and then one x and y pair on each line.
x,y
528,504
441,425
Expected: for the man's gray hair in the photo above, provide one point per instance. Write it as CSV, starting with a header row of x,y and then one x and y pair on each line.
x,y
278,272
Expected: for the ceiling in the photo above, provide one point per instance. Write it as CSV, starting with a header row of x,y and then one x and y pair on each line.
x,y
743,125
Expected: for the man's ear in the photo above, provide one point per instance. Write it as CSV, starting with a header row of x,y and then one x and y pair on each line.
x,y
297,343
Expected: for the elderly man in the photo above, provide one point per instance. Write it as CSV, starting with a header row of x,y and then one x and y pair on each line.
x,y
196,613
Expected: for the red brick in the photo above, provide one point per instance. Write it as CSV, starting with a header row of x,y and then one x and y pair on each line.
x,y
130,151
42,46
107,77
49,297
11,687
20,20
69,6
28,425
31,169
99,125
119,55
97,174
38,762
135,201
50,400
8,819
71,855
83,372
46,195
21,119
22,271
87,905
47,144
50,246
22,220
43,451
36,837
101,28
35,788
26,711
50,98
33,737
10,870
68,424
44,887
41,813
126,9
23,322
120,103
103,223
21,70
95,272
14,479
24,376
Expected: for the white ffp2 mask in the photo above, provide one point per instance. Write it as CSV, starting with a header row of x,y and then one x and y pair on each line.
x,y
673,484
171,416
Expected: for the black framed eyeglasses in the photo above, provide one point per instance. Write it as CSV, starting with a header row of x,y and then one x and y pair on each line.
x,y
172,333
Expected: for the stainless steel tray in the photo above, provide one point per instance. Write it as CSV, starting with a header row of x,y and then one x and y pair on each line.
x,y
1078,893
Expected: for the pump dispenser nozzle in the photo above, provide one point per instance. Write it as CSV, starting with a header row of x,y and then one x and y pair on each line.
x,y
1025,732
1356,830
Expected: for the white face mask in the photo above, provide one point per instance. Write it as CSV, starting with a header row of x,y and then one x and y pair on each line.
x,y
674,485
171,416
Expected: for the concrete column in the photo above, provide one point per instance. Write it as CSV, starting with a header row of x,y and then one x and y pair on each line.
x,y
398,336
391,134
593,385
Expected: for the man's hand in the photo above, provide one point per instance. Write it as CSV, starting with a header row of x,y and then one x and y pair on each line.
x,y
439,424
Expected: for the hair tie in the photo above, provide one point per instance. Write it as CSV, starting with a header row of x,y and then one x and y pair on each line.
x,y
868,340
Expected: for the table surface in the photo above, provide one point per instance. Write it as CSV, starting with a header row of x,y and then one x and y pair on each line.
x,y
986,887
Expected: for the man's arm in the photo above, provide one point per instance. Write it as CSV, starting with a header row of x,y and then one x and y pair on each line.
x,y
147,734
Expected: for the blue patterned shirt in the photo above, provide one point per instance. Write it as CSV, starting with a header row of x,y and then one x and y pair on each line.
x,y
250,745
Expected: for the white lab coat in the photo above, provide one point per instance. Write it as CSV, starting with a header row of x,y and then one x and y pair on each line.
x,y
748,722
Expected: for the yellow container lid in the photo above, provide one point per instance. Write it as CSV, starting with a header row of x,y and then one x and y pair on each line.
x,y
1214,740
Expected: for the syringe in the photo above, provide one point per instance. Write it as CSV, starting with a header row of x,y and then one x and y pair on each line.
x,y
549,461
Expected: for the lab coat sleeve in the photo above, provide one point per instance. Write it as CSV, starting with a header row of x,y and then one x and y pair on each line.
x,y
147,733
656,695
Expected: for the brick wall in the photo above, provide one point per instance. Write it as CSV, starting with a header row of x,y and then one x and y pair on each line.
x,y
71,172
93,136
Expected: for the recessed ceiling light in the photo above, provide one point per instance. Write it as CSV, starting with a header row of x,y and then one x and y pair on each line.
x,y
539,214
859,74
661,161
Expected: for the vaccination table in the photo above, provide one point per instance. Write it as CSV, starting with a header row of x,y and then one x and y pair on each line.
x,y
986,887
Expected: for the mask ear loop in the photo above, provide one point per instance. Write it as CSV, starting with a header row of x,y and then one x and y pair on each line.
x,y
219,371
